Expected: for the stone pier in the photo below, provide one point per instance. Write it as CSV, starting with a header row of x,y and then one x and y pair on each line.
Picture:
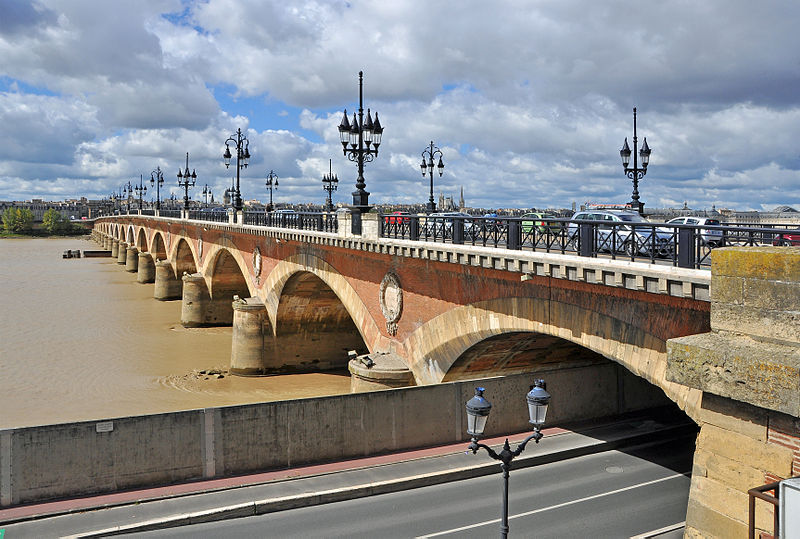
x,y
167,286
122,253
748,368
114,248
251,332
146,269
132,259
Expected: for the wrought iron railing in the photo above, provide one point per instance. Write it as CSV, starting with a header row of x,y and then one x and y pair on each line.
x,y
169,213
148,212
686,246
317,222
214,215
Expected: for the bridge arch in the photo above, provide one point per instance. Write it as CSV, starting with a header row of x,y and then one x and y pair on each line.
x,y
308,263
158,247
436,347
226,277
183,258
141,240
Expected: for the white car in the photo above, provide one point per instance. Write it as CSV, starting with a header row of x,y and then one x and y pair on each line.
x,y
710,236
624,232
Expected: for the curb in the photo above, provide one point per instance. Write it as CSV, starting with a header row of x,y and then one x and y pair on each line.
x,y
271,505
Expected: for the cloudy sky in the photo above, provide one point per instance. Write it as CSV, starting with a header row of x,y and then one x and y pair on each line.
x,y
530,101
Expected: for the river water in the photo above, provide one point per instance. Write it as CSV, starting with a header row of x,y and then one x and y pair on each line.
x,y
80,339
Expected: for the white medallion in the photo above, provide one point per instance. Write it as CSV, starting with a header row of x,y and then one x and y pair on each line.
x,y
391,298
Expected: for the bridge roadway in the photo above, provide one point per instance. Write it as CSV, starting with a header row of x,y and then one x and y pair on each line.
x,y
722,345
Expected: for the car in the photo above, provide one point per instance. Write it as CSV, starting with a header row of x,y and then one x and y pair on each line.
x,y
711,237
788,238
284,211
532,220
440,224
624,232
397,217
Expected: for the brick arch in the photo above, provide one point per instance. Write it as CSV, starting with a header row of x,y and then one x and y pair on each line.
x,y
183,257
158,245
225,272
141,240
129,235
270,293
434,347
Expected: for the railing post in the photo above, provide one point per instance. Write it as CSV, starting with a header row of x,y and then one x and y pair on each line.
x,y
513,236
413,228
686,247
458,230
586,239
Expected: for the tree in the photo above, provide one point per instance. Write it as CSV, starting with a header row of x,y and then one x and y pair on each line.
x,y
55,223
18,220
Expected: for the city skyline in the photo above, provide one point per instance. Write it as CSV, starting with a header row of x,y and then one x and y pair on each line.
x,y
529,101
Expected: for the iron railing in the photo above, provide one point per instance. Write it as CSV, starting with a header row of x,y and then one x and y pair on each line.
x,y
761,494
169,213
216,216
148,212
687,246
317,222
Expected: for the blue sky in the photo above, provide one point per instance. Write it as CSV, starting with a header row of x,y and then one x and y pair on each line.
x,y
530,101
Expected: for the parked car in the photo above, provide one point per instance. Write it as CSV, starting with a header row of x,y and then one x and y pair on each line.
x,y
624,232
441,224
533,219
711,237
788,238
397,217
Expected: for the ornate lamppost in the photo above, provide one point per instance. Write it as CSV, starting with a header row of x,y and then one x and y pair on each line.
x,y
427,169
242,159
157,179
635,173
140,189
330,182
187,181
207,194
272,181
478,409
360,140
128,190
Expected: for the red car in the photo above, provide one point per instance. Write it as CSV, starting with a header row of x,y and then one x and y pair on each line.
x,y
790,238
398,217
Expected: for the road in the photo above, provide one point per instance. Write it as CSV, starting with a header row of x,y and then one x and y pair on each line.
x,y
610,494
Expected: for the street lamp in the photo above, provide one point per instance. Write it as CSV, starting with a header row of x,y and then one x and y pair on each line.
x,y
157,179
427,169
272,180
360,141
635,173
140,189
207,193
478,409
188,181
242,159
128,190
330,182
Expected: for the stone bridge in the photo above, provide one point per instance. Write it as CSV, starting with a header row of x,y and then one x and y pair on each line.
x,y
423,313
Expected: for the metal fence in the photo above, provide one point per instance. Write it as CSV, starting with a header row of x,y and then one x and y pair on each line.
x,y
317,222
209,215
169,213
687,246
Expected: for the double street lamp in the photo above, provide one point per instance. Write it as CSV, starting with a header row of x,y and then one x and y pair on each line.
x,y
186,180
242,159
360,140
157,179
272,181
478,409
128,190
427,169
330,182
635,173
140,189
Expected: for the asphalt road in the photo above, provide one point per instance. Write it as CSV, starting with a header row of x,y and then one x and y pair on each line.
x,y
611,494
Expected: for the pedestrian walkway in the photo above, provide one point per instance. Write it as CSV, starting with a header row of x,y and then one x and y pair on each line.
x,y
218,499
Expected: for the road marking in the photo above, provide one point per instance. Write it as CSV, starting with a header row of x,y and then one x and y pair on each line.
x,y
660,531
557,506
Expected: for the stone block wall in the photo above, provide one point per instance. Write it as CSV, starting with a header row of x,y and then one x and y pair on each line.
x,y
748,367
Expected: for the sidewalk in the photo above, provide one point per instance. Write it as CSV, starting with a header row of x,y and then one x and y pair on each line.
x,y
218,499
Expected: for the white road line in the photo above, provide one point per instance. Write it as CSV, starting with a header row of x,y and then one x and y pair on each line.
x,y
660,531
541,510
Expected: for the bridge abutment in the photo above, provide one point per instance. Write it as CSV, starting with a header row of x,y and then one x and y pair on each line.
x,y
132,259
195,301
167,286
748,368
146,272
122,253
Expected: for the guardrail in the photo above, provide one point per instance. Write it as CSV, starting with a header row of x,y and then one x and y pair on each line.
x,y
206,215
773,499
317,222
169,213
687,246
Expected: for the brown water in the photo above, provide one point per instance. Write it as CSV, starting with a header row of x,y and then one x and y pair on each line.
x,y
80,339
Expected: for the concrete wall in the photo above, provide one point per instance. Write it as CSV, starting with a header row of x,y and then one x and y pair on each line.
x,y
54,461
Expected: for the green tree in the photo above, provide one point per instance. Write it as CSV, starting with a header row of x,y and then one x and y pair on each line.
x,y
55,223
18,220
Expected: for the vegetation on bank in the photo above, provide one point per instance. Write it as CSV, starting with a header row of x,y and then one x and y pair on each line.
x,y
19,222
